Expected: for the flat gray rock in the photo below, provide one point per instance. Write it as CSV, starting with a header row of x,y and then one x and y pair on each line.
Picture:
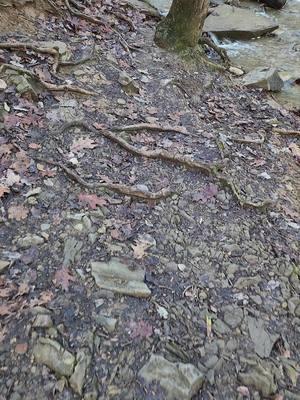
x,y
265,78
119,278
180,381
238,23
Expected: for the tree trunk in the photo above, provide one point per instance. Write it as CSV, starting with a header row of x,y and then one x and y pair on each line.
x,y
183,25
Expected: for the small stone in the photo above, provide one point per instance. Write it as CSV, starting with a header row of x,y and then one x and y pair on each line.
x,y
220,328
3,265
236,71
3,85
265,78
294,306
83,360
121,102
262,379
43,321
108,323
180,381
30,240
247,281
233,316
52,354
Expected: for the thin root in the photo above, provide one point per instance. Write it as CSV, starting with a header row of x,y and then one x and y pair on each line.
x,y
286,132
152,127
50,86
131,191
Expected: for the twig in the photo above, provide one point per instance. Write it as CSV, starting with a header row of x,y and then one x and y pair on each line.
x,y
248,141
124,18
115,187
221,52
152,127
50,86
286,132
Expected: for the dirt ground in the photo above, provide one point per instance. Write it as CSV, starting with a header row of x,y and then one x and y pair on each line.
x,y
209,270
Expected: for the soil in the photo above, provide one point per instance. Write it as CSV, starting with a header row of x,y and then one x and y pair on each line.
x,y
224,278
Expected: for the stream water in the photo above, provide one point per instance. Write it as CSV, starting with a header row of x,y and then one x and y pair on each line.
x,y
281,50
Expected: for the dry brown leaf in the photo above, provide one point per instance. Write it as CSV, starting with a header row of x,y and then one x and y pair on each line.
x,y
83,143
23,289
11,178
5,309
63,278
21,348
18,212
295,149
91,200
22,162
5,149
3,190
243,390
44,298
139,249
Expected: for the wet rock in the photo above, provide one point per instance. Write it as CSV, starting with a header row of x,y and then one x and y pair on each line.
x,y
30,240
108,323
54,356
83,360
233,316
3,265
247,281
118,277
238,23
263,341
262,379
265,78
180,381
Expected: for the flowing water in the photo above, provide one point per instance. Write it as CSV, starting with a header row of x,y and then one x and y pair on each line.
x,y
281,50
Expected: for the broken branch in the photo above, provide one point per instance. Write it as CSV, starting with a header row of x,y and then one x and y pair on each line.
x,y
151,127
286,132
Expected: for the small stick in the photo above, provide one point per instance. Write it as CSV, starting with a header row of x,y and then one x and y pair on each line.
x,y
286,132
248,141
115,187
50,86
79,14
124,18
151,127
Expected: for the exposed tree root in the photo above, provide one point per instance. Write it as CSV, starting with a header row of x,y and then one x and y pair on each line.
x,y
131,191
71,63
210,169
155,154
124,18
79,14
248,141
286,132
29,46
221,52
49,86
152,127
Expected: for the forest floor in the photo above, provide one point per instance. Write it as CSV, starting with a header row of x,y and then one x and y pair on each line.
x,y
94,282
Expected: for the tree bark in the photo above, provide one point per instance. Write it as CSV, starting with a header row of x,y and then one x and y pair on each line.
x,y
183,25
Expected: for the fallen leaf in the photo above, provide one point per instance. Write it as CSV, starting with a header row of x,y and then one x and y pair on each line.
x,y
21,348
11,178
3,190
258,163
6,292
34,146
5,309
5,149
23,289
140,329
139,249
63,278
22,162
206,193
3,333
83,143
44,298
243,390
91,200
18,212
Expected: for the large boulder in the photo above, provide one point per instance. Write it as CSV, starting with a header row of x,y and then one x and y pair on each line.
x,y
265,78
238,23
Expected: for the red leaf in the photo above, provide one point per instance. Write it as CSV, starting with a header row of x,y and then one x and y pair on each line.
x,y
206,193
21,348
63,278
91,200
140,329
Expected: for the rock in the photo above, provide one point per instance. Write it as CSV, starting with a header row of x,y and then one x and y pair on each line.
x,y
3,85
238,23
294,306
42,321
52,354
180,381
108,323
83,360
233,316
162,6
265,78
261,379
60,46
71,250
29,240
236,71
128,84
247,281
263,341
3,265
117,277
276,4
220,328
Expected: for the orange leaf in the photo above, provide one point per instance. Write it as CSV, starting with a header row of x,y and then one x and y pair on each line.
x,y
91,200
3,190
21,348
63,278
17,212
